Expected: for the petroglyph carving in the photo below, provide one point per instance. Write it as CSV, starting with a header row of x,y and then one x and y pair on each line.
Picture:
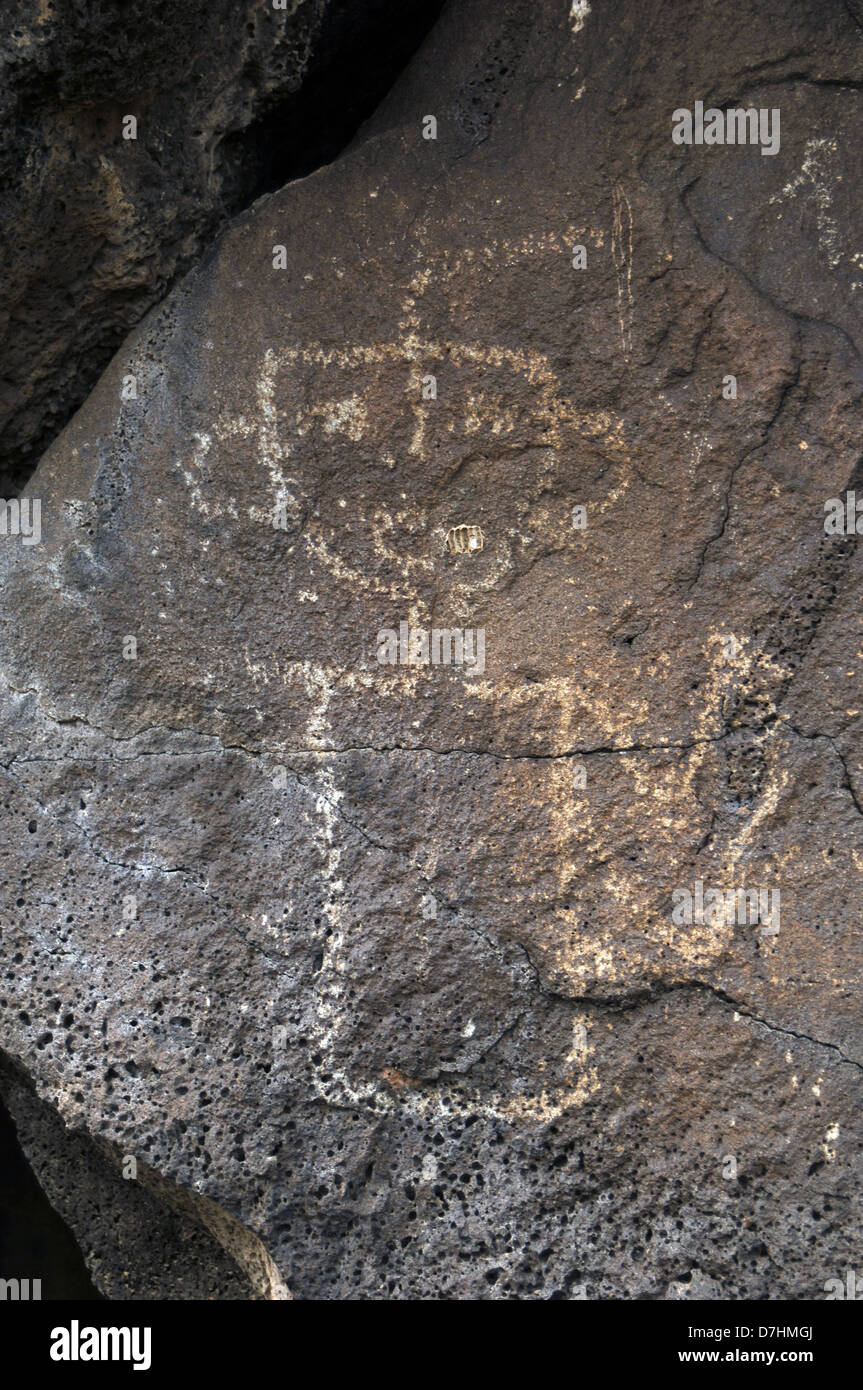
x,y
462,538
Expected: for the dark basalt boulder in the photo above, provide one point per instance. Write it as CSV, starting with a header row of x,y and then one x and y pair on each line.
x,y
380,954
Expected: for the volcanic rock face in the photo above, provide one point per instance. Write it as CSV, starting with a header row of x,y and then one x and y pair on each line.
x,y
387,957
100,215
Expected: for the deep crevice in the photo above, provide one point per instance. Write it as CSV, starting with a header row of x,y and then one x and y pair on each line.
x,y
35,1243
81,1209
359,54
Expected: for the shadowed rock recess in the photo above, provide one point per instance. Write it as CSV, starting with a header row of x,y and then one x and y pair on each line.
x,y
375,968
97,219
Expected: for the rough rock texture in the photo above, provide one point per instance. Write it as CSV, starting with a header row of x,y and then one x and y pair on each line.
x,y
35,1243
400,995
229,97
139,1239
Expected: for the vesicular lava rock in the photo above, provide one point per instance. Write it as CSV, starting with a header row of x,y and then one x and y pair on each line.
x,y
382,959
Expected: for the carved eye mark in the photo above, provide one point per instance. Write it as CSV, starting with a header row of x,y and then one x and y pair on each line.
x,y
461,538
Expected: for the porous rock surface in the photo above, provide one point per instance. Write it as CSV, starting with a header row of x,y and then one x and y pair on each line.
x,y
227,95
400,995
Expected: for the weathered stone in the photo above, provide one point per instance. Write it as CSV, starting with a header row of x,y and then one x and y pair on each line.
x,y
141,1238
381,959
100,216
